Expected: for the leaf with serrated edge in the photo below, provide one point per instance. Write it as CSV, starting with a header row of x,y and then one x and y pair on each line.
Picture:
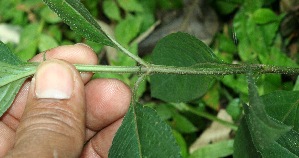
x,y
143,134
74,14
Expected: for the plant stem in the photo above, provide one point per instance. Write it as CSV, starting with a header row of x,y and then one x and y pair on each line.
x,y
136,86
211,117
185,107
108,69
124,50
203,69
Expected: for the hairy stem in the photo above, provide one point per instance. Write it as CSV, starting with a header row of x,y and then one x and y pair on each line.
x,y
124,50
200,69
203,69
136,86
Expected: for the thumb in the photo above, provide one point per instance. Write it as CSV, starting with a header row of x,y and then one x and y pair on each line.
x,y
53,122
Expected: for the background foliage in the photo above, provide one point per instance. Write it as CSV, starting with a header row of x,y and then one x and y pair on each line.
x,y
250,32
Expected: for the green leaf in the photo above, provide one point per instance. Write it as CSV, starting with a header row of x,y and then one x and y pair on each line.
x,y
127,29
73,13
240,35
283,106
181,142
212,97
263,16
234,109
269,132
10,12
12,76
296,86
130,5
7,56
279,58
226,44
10,73
49,16
30,4
268,2
111,10
225,7
261,125
269,83
254,40
143,134
170,4
12,69
252,5
122,59
55,32
261,38
182,124
92,6
164,111
46,42
289,142
28,43
8,94
181,49
236,82
243,145
219,149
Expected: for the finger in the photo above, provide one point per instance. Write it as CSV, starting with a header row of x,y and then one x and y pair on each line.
x,y
8,138
53,121
107,100
99,145
75,54
8,123
78,53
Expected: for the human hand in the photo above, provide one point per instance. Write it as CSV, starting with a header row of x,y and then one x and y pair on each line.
x,y
62,113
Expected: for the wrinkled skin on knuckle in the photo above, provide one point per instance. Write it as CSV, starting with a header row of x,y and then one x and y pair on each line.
x,y
52,119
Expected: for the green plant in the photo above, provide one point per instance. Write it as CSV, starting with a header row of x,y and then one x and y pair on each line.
x,y
183,69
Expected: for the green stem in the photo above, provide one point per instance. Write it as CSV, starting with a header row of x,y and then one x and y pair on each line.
x,y
185,107
201,69
124,50
136,86
107,69
204,69
211,117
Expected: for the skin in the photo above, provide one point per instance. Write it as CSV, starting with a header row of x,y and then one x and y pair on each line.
x,y
82,126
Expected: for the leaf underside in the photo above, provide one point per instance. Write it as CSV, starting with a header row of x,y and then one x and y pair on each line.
x,y
143,134
183,50
10,90
8,94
